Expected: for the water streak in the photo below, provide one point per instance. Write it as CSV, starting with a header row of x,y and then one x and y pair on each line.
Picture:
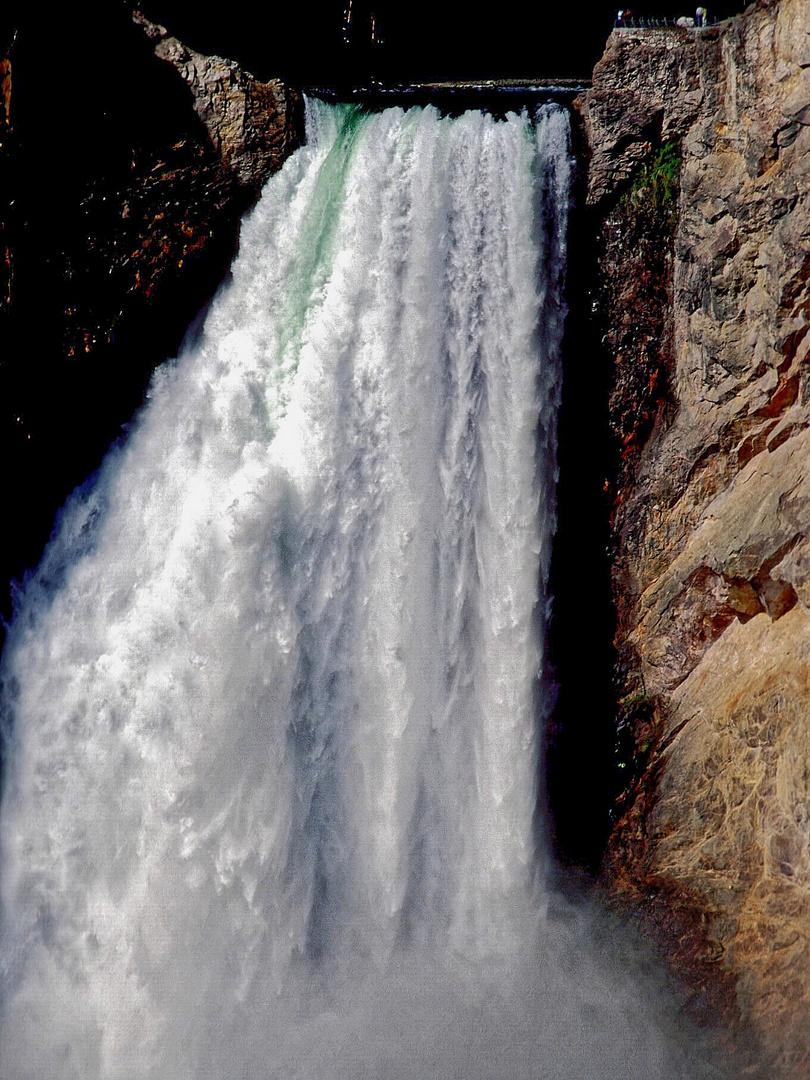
x,y
273,697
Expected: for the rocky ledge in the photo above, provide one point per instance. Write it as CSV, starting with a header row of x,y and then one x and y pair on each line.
x,y
252,125
711,514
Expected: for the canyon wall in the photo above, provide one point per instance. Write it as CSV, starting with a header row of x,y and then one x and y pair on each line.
x,y
699,199
699,184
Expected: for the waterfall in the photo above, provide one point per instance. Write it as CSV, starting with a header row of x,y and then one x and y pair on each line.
x,y
273,700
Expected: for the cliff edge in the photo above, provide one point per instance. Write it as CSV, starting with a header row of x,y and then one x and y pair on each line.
x,y
700,149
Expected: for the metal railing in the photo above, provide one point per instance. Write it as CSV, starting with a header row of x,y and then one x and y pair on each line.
x,y
653,22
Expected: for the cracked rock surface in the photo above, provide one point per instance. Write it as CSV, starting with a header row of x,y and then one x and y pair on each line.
x,y
252,125
711,527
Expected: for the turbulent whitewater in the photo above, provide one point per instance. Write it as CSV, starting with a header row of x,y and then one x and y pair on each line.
x,y
273,700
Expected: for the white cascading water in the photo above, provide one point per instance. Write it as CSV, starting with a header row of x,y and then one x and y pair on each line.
x,y
272,700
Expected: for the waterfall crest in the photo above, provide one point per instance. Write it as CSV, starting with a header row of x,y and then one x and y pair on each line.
x,y
273,697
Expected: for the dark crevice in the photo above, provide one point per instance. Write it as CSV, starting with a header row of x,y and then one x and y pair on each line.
x,y
579,755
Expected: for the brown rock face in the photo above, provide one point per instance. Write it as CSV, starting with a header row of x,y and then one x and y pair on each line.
x,y
708,335
252,125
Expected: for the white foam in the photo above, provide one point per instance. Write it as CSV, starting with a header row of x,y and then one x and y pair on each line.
x,y
274,694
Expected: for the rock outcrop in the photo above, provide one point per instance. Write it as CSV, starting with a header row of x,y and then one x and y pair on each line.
x,y
252,125
711,524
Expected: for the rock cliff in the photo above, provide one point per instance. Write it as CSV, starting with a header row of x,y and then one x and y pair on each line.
x,y
252,125
708,337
